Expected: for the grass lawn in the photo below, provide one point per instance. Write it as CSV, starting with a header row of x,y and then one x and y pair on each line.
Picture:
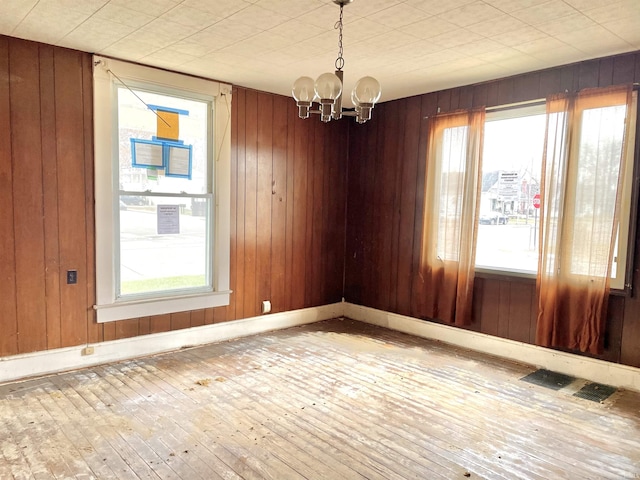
x,y
159,284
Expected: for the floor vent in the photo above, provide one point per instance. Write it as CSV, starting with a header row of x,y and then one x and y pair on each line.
x,y
549,379
596,392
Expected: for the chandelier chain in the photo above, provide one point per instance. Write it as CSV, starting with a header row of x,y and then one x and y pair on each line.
x,y
338,25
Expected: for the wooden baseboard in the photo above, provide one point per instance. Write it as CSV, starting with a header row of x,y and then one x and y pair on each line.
x,y
52,361
614,374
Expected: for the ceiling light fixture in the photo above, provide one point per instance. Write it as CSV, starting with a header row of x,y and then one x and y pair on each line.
x,y
327,89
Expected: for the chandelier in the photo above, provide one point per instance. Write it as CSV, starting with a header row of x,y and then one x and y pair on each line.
x,y
327,89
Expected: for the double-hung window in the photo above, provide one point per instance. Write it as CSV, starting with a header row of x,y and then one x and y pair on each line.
x,y
162,158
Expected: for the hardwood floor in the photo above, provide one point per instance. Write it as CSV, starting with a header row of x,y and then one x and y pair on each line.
x,y
331,400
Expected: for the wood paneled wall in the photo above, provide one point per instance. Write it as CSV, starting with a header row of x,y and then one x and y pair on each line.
x,y
289,184
288,206
385,206
46,197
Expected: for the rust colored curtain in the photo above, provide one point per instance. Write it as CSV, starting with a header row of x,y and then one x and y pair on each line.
x,y
581,183
450,227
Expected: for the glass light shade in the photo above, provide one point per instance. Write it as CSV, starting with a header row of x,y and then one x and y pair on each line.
x,y
303,89
367,90
354,100
328,86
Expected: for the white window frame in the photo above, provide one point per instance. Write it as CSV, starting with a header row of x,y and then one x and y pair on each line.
x,y
108,306
620,257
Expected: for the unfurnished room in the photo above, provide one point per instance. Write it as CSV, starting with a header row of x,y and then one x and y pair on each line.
x,y
319,239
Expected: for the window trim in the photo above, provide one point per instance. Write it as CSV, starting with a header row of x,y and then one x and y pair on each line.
x,y
108,307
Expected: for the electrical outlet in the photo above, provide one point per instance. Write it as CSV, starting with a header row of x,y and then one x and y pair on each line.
x,y
266,306
72,277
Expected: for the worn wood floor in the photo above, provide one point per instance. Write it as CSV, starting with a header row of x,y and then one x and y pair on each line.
x,y
332,400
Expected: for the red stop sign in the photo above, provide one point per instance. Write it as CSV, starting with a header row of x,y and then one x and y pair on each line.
x,y
536,200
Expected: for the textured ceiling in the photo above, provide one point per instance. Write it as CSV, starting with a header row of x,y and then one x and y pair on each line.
x,y
410,46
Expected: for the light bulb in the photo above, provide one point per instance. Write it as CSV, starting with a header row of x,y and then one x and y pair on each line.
x,y
328,86
354,100
367,90
303,89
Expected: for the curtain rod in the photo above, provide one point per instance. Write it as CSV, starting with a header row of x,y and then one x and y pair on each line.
x,y
537,101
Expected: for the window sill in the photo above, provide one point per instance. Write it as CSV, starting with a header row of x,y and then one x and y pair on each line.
x,y
529,278
160,306
509,275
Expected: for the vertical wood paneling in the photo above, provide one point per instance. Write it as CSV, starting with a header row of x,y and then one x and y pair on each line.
x,y
520,313
157,324
291,150
613,329
386,202
28,195
480,95
502,307
489,301
493,97
290,201
568,78
233,220
301,149
312,160
315,177
8,304
109,331
197,318
444,101
407,191
355,216
370,233
50,203
588,75
327,233
126,328
605,73
550,82
250,208
179,320
466,97
144,327
429,108
623,69
455,99
279,206
94,329
506,91
337,188
527,87
71,193
396,194
239,143
288,245
263,199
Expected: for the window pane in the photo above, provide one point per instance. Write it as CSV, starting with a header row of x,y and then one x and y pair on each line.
x,y
454,150
136,121
163,243
599,147
508,230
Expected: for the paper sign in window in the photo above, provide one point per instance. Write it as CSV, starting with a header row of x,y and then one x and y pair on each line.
x,y
146,154
168,219
179,161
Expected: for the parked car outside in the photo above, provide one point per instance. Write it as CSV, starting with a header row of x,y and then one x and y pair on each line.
x,y
493,218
